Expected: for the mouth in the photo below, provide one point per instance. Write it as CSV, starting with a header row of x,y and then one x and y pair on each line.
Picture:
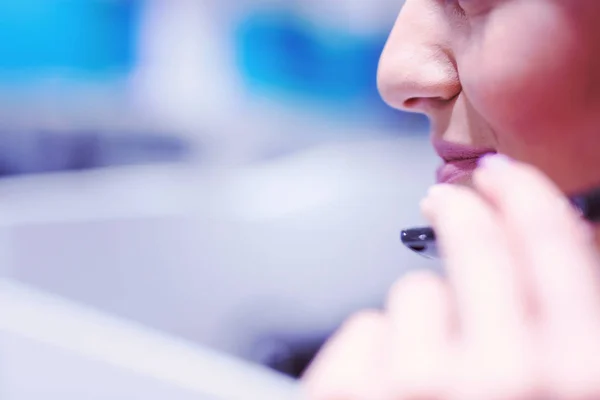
x,y
460,161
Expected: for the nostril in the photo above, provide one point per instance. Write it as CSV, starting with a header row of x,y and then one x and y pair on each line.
x,y
423,104
411,103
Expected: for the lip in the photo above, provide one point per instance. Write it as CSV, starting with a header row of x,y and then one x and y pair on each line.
x,y
459,161
456,171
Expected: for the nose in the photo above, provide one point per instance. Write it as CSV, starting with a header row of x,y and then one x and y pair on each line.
x,y
417,71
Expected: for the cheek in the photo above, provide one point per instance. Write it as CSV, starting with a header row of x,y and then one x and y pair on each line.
x,y
526,79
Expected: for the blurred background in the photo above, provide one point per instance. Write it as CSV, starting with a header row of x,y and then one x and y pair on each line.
x,y
223,171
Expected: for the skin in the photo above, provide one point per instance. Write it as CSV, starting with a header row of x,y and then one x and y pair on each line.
x,y
519,76
518,316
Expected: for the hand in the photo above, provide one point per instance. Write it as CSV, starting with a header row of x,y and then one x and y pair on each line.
x,y
516,318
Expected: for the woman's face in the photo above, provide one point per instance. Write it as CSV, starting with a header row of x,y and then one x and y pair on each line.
x,y
518,77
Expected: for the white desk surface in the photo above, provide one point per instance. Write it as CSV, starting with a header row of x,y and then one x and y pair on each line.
x,y
51,348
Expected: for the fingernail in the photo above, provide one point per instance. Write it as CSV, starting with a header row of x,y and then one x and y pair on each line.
x,y
494,161
437,190
428,204
425,206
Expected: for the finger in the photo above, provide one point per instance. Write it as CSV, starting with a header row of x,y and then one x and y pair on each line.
x,y
555,248
419,307
351,365
479,263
